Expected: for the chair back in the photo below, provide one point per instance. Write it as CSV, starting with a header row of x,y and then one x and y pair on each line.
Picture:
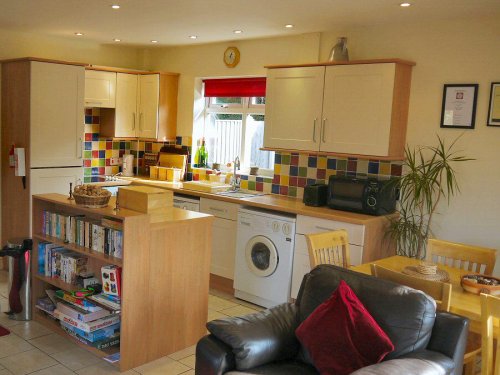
x,y
329,248
490,309
457,255
440,291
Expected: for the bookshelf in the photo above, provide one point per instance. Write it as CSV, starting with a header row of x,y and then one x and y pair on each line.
x,y
165,277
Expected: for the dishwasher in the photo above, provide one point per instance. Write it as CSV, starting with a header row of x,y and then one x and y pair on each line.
x,y
187,202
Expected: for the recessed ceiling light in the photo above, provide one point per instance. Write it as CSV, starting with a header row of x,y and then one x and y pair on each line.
x,y
78,34
289,26
237,31
193,37
117,40
154,41
404,4
115,6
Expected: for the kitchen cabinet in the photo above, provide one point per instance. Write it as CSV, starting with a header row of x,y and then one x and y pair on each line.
x,y
165,282
224,235
100,89
146,107
358,108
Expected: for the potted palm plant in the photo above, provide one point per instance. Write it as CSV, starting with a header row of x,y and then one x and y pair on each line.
x,y
428,177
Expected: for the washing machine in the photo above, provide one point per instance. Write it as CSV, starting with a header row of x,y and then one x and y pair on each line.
x,y
264,256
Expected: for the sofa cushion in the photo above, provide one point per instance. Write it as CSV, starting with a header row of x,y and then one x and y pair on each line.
x,y
341,336
279,368
406,315
260,338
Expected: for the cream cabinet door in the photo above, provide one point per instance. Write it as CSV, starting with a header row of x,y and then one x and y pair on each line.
x,y
294,99
100,89
57,115
148,101
223,248
357,109
126,116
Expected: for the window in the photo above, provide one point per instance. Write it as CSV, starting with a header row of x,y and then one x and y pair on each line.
x,y
234,126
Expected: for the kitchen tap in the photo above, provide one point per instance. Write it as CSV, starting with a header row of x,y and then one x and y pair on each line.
x,y
235,182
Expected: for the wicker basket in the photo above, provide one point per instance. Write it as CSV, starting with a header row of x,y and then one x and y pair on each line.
x,y
470,284
91,201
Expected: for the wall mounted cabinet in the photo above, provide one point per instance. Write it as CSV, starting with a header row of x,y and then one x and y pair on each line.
x,y
100,89
146,107
358,108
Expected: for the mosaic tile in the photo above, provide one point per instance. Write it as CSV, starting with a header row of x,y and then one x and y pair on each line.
x,y
277,168
277,158
384,168
352,166
284,190
284,180
88,119
331,164
259,186
303,160
251,185
311,173
294,170
275,189
244,184
293,181
373,167
88,146
292,191
362,166
294,160
341,164
312,162
321,162
302,181
396,169
285,159
303,171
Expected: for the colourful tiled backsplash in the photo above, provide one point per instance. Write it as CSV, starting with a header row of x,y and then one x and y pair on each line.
x,y
99,151
291,171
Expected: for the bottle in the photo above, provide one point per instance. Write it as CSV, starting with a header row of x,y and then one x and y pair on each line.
x,y
203,154
197,156
339,51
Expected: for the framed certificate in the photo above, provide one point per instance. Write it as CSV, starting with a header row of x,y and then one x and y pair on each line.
x,y
459,106
494,112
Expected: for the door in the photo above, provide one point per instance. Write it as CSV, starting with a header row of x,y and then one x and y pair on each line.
x,y
357,109
100,89
294,98
57,115
223,248
126,105
148,101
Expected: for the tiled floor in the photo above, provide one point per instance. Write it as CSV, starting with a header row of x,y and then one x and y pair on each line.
x,y
32,349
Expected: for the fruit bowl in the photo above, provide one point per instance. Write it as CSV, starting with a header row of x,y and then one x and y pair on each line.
x,y
481,284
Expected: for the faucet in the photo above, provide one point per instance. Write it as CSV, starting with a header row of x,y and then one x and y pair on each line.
x,y
235,182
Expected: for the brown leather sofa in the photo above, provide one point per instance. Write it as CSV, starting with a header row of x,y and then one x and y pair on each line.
x,y
425,342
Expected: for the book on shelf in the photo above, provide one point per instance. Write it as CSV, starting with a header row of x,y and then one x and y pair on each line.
x,y
101,344
87,326
112,358
98,335
80,302
106,300
81,314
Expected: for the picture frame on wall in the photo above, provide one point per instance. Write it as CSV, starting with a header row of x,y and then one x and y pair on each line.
x,y
459,106
494,108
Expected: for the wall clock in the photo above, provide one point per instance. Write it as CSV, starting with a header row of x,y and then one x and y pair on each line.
x,y
231,57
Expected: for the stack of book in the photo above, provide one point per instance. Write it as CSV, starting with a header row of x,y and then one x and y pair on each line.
x,y
57,261
105,236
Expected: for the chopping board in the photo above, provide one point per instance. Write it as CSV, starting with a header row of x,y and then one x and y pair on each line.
x,y
205,186
173,161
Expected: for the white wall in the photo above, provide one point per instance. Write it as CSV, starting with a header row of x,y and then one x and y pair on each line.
x,y
445,52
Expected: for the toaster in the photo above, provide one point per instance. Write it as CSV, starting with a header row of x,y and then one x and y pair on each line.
x,y
315,195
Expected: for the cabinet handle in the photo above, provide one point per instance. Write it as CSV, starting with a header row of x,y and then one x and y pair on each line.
x,y
81,148
324,228
323,131
314,130
133,123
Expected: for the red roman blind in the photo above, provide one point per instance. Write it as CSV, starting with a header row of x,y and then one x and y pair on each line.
x,y
235,87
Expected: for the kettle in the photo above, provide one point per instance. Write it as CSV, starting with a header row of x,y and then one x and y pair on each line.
x,y
128,165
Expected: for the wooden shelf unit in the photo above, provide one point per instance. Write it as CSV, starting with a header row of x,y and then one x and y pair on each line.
x,y
165,270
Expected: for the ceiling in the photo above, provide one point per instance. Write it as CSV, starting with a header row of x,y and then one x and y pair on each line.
x,y
171,22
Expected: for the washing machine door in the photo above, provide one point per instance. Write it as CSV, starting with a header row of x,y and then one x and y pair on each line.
x,y
261,256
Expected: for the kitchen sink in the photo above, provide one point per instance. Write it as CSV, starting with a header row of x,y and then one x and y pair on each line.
x,y
111,181
240,193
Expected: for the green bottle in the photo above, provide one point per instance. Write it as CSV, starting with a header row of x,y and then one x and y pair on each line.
x,y
203,156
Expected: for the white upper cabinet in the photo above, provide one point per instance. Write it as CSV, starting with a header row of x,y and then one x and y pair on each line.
x,y
126,119
147,103
353,109
56,115
100,89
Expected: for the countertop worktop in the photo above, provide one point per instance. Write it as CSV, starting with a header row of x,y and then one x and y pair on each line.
x,y
269,201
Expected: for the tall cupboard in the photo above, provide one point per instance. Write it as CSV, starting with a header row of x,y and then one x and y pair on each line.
x,y
357,108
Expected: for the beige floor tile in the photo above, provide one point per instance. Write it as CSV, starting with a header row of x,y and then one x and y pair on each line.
x,y
218,293
52,343
162,366
76,359
238,311
54,370
183,353
190,372
103,368
5,372
212,315
13,344
247,304
189,361
30,330
27,362
6,322
4,303
217,303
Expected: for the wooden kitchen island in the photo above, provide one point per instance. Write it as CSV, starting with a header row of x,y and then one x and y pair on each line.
x,y
165,268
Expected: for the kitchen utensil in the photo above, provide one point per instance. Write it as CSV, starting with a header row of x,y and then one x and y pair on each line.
x,y
128,165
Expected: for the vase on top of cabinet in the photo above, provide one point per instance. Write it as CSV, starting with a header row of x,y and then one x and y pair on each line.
x,y
357,108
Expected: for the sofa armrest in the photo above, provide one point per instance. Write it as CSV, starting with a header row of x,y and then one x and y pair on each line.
x,y
259,338
213,357
449,336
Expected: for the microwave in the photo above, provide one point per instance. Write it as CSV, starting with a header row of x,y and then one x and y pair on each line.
x,y
363,195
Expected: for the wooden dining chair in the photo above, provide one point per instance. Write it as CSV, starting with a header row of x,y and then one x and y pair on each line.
x,y
457,255
490,309
440,291
329,248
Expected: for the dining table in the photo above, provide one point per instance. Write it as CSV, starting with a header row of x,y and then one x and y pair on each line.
x,y
462,302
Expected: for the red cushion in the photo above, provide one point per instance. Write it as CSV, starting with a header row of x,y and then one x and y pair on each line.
x,y
341,336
